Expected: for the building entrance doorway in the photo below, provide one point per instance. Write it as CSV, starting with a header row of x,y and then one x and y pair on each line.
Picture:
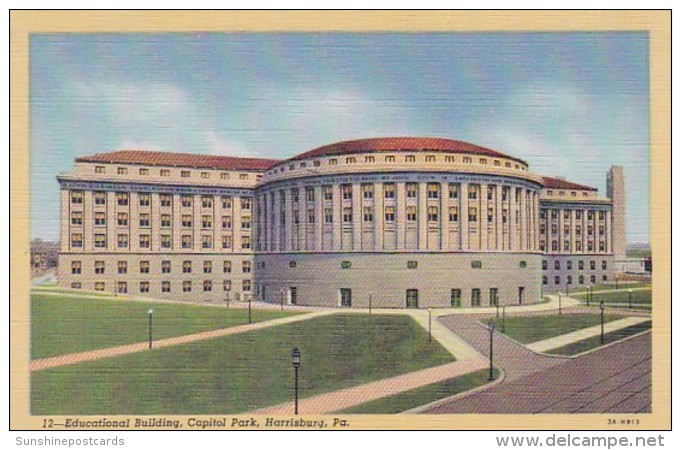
x,y
412,298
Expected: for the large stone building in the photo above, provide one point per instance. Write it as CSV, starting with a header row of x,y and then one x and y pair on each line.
x,y
395,222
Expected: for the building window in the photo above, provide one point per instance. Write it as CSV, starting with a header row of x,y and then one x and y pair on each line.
x,y
293,264
144,220
389,213
433,214
544,265
226,242
569,279
186,286
490,215
246,204
144,172
99,286
144,266
122,240
368,191
246,222
346,264
186,267
490,192
410,158
76,218
472,214
246,266
333,161
473,192
578,246
604,265
206,201
493,296
569,265
389,190
206,221
449,159
556,280
100,198
226,202
430,158
75,285
522,264
390,159
122,267
411,190
476,264
99,267
347,215
166,241
165,266
122,198
205,175
554,246
165,172
328,215
556,265
207,286
243,176
350,160
368,214
411,213
245,242
144,241
207,266
578,215
227,266
592,278
346,190
100,169
165,220
185,174
328,192
475,297
122,171
206,241
226,222
100,219
566,246
581,279
144,287
227,285
165,286
544,280
310,216
166,200
433,190
456,298
412,264
246,285
186,201
100,240
592,265
76,267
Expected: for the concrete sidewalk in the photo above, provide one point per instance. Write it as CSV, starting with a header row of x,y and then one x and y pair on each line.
x,y
92,355
585,333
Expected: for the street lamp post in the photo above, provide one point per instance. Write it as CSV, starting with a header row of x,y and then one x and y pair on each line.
x,y
491,349
296,365
560,304
430,324
249,309
602,322
151,313
497,305
630,304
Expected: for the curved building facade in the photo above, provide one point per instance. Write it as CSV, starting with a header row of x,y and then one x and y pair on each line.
x,y
386,222
399,222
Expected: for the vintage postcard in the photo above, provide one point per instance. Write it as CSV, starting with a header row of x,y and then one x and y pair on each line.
x,y
340,220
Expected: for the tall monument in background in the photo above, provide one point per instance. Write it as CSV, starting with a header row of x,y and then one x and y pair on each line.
x,y
615,191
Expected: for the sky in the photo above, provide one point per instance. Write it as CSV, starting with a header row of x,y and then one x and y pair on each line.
x,y
570,104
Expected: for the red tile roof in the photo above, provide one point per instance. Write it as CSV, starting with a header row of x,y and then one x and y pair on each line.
x,y
197,161
557,183
406,144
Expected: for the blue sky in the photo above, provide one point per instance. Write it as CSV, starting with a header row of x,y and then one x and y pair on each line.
x,y
571,104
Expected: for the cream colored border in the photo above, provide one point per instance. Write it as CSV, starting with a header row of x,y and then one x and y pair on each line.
x,y
657,23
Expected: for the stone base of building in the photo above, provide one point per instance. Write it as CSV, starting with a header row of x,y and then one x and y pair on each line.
x,y
565,272
399,280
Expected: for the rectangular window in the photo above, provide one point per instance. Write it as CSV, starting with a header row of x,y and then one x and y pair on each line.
x,y
347,215
245,242
206,221
166,200
453,214
604,265
473,192
144,200
456,298
328,215
410,158
100,219
186,201
226,202
246,204
207,201
100,198
100,240
76,267
144,220
144,241
185,174
246,266
122,240
569,265
144,287
472,214
310,216
246,222
186,267
165,266
411,213
475,297
207,266
144,266
76,218
556,265
493,296
77,197
227,266
389,190
556,280
309,194
122,267
100,169
368,215
205,175
186,286
99,267
368,191
328,192
433,190
592,265
224,175
166,241
75,285
433,214
207,286
122,171
165,286
346,190
430,158
389,213
453,190
206,241
227,285
99,286
544,265
411,190
226,222
246,285
165,172
390,158
226,242
122,198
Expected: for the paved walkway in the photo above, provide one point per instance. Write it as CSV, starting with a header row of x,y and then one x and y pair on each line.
x,y
584,333
75,358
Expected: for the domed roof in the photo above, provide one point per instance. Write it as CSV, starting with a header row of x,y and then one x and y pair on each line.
x,y
402,144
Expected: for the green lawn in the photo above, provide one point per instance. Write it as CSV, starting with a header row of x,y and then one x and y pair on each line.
x,y
61,324
240,372
423,395
587,344
530,329
623,297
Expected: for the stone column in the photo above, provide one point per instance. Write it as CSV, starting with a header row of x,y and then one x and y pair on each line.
x,y
65,221
197,207
379,216
88,222
112,244
401,214
499,228
319,218
337,217
463,217
444,216
422,208
356,217
482,217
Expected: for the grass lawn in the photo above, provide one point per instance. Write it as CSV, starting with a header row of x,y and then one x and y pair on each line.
x,y
61,324
645,296
423,395
530,329
240,372
587,344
